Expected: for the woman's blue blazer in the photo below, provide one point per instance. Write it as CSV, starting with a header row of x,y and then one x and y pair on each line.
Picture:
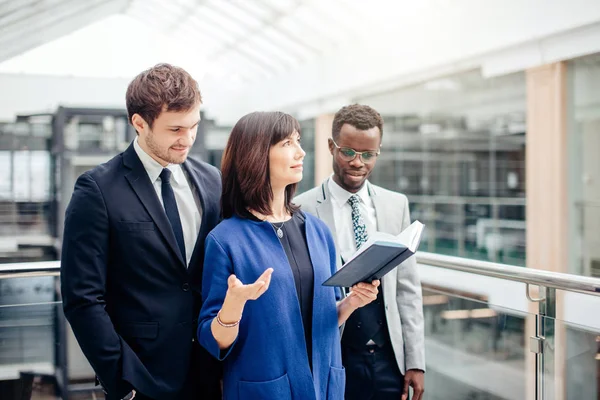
x,y
268,360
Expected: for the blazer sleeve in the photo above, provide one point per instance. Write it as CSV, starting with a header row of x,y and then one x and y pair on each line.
x,y
217,269
83,284
410,306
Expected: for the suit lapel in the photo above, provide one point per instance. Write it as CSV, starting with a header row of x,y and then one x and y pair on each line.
x,y
382,213
200,189
141,185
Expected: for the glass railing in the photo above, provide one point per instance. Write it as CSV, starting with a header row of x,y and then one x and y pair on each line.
x,y
499,332
473,348
490,334
39,356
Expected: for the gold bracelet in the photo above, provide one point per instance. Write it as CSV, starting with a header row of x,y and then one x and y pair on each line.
x,y
224,325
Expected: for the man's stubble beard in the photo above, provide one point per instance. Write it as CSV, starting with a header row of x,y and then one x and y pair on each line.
x,y
160,153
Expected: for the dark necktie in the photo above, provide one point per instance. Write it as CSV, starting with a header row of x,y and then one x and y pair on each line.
x,y
171,209
358,224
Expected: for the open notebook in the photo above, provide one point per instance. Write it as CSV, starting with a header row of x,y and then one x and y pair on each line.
x,y
377,256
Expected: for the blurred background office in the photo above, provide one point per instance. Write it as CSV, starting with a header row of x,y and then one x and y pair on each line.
x,y
492,130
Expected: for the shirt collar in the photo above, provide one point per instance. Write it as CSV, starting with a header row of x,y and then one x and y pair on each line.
x,y
153,167
340,195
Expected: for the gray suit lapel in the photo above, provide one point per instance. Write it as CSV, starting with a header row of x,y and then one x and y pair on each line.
x,y
382,211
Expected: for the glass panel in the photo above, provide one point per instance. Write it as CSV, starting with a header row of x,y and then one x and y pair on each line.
x,y
308,144
6,192
36,347
571,360
456,147
584,165
474,349
29,342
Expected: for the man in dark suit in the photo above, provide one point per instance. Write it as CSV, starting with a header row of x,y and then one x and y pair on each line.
x,y
133,250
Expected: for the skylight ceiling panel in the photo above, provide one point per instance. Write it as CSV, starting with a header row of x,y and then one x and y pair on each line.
x,y
306,36
281,6
253,56
325,26
152,13
238,14
286,44
220,19
205,23
381,15
222,37
257,9
14,9
244,67
274,62
341,18
202,42
273,51
60,17
21,16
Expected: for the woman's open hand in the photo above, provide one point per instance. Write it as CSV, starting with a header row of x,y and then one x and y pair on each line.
x,y
252,291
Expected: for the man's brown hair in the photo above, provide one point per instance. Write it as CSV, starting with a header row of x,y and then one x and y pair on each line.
x,y
162,87
245,163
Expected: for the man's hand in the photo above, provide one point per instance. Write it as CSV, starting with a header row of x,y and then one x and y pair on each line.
x,y
416,379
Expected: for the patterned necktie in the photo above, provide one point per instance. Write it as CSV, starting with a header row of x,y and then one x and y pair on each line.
x,y
170,204
358,224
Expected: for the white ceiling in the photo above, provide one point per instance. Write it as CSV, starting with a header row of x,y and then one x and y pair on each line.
x,y
235,40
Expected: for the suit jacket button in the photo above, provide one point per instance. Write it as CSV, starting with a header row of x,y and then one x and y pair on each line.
x,y
185,287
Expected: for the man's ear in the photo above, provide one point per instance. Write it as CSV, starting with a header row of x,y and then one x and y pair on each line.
x,y
139,124
330,144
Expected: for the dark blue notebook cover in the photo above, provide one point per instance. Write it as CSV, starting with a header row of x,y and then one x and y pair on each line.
x,y
373,263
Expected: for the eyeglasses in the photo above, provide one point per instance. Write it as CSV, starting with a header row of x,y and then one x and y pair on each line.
x,y
348,154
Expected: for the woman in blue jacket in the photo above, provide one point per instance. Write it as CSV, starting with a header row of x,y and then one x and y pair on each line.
x,y
265,311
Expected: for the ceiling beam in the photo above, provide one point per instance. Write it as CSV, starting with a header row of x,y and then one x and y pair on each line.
x,y
283,31
20,18
48,26
13,6
257,62
267,22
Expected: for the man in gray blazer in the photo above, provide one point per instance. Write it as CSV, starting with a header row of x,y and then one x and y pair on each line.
x,y
383,345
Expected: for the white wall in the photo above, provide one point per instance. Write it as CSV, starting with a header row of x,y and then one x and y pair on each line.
x,y
22,94
25,94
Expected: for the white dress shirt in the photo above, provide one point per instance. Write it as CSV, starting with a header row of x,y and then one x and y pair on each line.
x,y
188,202
342,215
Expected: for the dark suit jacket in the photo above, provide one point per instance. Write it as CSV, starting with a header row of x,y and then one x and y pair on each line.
x,y
127,293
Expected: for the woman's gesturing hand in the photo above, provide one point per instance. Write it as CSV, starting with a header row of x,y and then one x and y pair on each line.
x,y
252,291
363,293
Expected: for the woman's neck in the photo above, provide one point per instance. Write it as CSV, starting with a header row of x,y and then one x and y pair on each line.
x,y
279,212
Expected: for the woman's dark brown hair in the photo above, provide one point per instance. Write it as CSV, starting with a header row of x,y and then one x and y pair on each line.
x,y
245,164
